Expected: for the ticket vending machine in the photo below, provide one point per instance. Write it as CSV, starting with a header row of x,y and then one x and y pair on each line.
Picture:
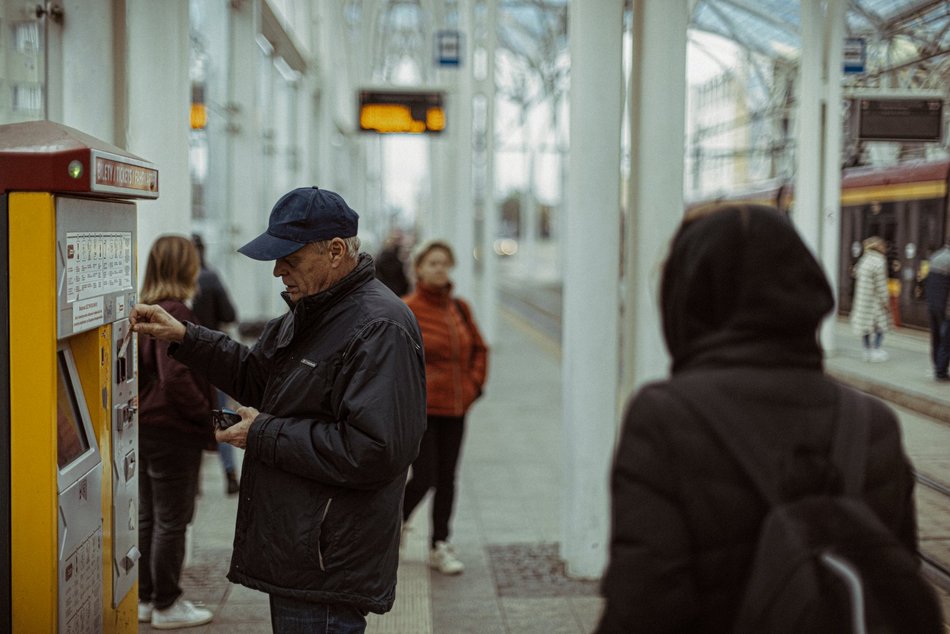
x,y
68,421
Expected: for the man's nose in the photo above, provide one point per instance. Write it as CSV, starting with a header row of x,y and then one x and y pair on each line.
x,y
279,267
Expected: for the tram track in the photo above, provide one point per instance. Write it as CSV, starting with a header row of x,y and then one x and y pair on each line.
x,y
935,566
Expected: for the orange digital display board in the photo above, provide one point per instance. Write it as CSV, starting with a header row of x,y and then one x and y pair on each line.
x,y
401,112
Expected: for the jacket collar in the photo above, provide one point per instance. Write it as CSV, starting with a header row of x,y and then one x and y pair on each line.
x,y
438,295
309,309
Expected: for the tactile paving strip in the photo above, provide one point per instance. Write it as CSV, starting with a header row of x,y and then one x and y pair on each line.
x,y
534,570
205,577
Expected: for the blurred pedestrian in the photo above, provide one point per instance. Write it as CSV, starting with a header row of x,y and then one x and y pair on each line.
x,y
937,292
742,298
391,264
871,307
213,308
334,394
175,426
456,367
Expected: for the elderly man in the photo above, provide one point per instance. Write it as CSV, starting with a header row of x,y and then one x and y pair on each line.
x,y
335,407
937,290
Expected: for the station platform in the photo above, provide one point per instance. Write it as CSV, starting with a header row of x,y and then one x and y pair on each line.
x,y
507,521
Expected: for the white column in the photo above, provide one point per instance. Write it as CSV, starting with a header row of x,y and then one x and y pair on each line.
x,y
818,155
590,312
462,204
246,214
487,305
655,193
326,43
80,94
831,157
808,155
439,220
159,99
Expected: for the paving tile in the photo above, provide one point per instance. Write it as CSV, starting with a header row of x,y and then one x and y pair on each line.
x,y
477,616
587,611
539,616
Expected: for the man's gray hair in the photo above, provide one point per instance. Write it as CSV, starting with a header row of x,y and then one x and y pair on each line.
x,y
352,246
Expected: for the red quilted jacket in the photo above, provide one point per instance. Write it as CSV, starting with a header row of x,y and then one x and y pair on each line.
x,y
456,355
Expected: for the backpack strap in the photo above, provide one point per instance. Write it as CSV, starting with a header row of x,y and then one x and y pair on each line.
x,y
850,447
848,451
744,447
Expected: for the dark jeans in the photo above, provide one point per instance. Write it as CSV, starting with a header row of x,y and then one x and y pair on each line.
x,y
293,616
939,343
876,343
435,468
168,482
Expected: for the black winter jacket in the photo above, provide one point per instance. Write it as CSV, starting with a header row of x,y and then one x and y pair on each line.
x,y
340,384
742,297
686,517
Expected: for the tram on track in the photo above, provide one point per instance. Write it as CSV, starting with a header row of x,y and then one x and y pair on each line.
x,y
907,205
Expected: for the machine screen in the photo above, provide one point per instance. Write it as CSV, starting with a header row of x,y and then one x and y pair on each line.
x,y
71,435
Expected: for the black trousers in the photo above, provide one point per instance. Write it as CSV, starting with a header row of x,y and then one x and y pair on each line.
x,y
939,343
435,468
168,483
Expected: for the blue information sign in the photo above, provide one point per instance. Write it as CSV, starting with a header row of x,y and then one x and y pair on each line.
x,y
854,55
448,48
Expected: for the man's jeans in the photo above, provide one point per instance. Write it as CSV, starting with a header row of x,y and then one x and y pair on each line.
x,y
293,616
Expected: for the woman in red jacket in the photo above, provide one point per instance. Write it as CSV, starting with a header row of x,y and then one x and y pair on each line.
x,y
175,426
456,366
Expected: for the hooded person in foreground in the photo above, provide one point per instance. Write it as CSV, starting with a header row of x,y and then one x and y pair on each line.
x,y
742,298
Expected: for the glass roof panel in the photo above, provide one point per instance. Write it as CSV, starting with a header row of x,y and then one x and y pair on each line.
x,y
772,27
769,27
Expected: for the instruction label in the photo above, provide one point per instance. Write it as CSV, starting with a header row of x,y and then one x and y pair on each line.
x,y
97,263
88,313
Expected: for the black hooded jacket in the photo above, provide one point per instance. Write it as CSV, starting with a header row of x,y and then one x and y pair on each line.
x,y
340,384
742,298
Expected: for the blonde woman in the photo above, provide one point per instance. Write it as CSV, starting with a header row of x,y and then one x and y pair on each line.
x,y
870,310
175,426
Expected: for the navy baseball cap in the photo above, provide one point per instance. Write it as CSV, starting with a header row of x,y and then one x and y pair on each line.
x,y
302,216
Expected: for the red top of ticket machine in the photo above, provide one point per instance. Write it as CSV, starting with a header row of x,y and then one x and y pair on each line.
x,y
49,156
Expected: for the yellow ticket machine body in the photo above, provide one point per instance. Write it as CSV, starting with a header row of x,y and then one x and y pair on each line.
x,y
68,426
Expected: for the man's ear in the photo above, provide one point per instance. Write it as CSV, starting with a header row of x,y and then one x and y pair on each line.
x,y
337,250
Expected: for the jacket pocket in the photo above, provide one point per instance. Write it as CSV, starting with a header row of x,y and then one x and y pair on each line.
x,y
321,536
283,531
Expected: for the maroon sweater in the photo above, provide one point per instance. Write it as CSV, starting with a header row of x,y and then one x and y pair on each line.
x,y
174,404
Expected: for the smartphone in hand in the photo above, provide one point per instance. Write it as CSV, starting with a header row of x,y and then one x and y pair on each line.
x,y
224,418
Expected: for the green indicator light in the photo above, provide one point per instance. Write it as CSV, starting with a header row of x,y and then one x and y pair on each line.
x,y
74,169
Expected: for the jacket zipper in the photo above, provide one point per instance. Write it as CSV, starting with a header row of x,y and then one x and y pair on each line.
x,y
326,510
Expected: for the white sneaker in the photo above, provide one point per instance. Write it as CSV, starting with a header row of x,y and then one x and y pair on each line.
x,y
145,612
181,613
879,355
442,558
866,355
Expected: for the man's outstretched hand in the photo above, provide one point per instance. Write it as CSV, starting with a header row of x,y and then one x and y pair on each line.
x,y
154,321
